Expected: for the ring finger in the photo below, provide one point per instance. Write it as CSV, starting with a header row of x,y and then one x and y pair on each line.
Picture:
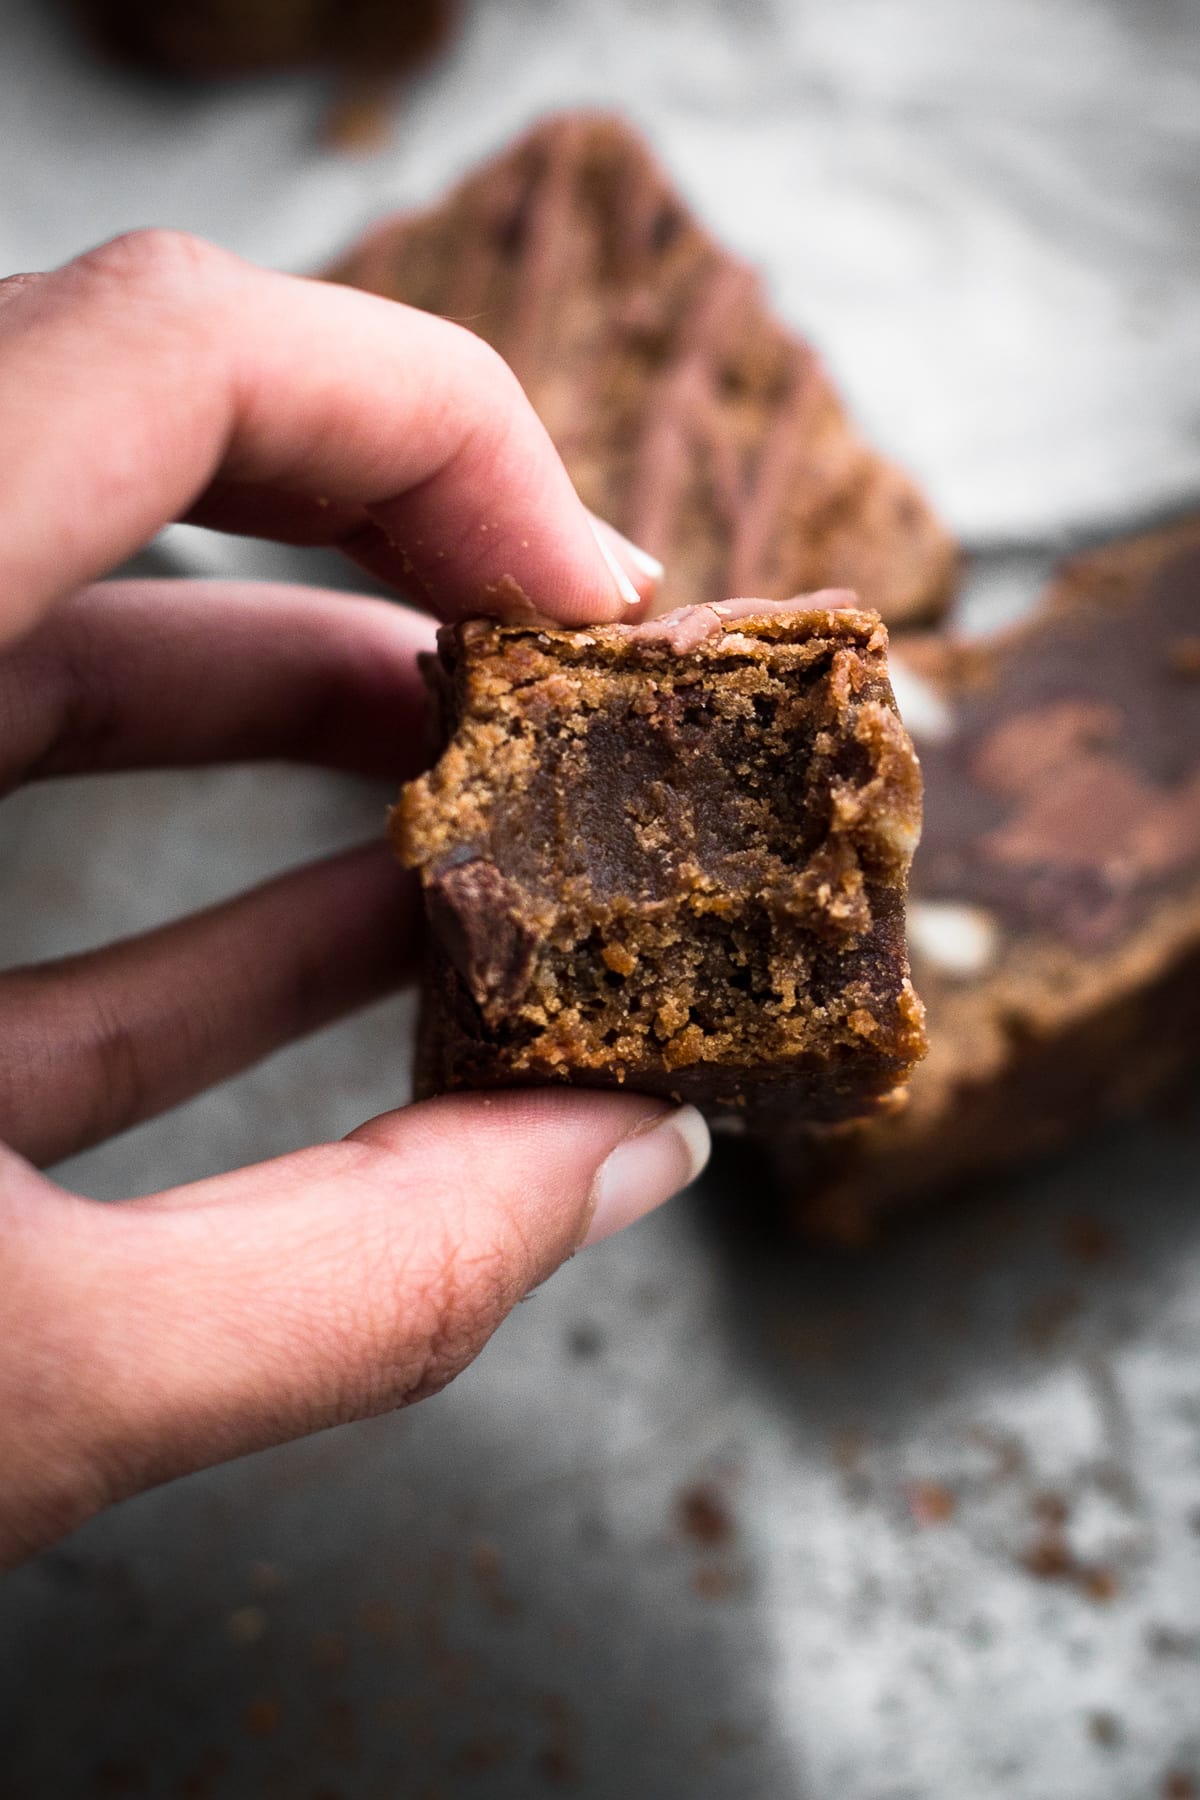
x,y
98,1042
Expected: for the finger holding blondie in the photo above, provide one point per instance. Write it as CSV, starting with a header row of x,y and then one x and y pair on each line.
x,y
183,377
187,383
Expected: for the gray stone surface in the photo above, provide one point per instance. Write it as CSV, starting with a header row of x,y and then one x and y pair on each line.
x,y
711,1519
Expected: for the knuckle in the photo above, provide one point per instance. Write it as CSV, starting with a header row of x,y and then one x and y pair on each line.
x,y
116,1072
117,1082
64,707
493,366
454,1269
489,371
48,1399
441,1262
14,285
467,1296
157,259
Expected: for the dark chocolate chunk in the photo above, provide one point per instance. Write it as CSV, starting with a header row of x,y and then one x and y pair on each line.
x,y
476,913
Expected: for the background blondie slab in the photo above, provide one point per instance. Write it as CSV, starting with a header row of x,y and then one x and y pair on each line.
x,y
687,414
1055,910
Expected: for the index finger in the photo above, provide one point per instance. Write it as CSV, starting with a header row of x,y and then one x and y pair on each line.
x,y
158,367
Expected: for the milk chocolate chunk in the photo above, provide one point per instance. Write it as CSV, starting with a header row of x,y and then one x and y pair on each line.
x,y
686,413
1054,918
670,856
231,37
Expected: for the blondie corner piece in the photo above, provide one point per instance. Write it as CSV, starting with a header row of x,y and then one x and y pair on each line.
x,y
1054,910
671,856
687,413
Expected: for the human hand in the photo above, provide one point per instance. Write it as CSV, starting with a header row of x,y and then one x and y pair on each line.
x,y
154,379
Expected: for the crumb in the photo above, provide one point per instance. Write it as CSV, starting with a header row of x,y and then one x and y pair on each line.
x,y
930,1503
703,1516
1104,1729
585,1342
488,1567
711,1583
246,1624
1185,656
1048,1318
1090,1240
358,119
328,1650
266,1578
1099,1584
262,1718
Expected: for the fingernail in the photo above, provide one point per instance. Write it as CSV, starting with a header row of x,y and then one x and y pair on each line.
x,y
626,550
641,559
650,1165
625,587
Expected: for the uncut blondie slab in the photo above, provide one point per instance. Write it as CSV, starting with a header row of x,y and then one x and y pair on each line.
x,y
1054,912
686,413
670,856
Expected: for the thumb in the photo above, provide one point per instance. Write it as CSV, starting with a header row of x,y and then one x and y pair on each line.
x,y
324,1286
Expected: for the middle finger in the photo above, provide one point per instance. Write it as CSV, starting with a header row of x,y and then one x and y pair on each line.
x,y
132,674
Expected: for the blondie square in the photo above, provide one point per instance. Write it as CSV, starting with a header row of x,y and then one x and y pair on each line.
x,y
673,856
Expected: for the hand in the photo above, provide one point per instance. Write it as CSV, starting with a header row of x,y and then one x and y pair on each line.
x,y
154,379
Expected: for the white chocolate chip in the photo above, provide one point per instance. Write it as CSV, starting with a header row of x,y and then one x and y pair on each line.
x,y
958,940
922,708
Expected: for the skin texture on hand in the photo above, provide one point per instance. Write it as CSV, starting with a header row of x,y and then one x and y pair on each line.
x,y
159,378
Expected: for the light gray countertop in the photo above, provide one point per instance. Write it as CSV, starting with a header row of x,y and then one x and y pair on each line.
x,y
709,1519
